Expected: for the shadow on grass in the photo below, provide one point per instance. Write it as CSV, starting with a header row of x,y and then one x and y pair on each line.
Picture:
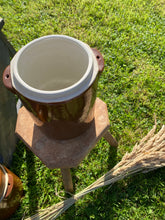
x,y
31,182
132,198
88,210
112,159
20,157
136,197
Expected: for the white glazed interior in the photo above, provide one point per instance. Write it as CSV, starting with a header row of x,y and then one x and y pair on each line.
x,y
53,68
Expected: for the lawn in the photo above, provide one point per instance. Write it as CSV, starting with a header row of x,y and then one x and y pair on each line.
x,y
131,37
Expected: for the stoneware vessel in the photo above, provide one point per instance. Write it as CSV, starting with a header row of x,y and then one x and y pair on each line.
x,y
56,79
11,191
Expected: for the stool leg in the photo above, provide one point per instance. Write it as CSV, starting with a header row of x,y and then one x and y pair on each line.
x,y
67,180
111,140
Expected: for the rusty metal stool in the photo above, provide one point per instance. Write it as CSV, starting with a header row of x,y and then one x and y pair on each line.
x,y
64,154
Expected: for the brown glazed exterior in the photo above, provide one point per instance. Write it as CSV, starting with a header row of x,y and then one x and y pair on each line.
x,y
62,120
13,195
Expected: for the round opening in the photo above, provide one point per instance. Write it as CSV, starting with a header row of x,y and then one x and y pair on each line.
x,y
52,63
7,76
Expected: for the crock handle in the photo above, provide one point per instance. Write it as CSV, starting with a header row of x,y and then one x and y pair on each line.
x,y
99,58
7,79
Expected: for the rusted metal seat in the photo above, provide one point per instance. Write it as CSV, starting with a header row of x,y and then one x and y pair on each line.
x,y
64,154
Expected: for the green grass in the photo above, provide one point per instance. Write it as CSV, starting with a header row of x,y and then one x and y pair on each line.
x,y
131,37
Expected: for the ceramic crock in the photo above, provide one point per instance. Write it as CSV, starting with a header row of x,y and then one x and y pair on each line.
x,y
56,79
11,191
